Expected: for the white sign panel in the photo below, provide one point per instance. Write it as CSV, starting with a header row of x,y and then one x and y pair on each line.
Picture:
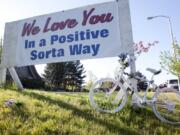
x,y
82,33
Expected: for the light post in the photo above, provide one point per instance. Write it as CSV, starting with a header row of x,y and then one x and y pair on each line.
x,y
170,29
171,34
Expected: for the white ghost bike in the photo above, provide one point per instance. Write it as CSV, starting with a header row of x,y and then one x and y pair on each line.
x,y
110,95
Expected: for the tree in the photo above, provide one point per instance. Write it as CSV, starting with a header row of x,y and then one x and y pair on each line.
x,y
74,75
65,75
171,61
54,75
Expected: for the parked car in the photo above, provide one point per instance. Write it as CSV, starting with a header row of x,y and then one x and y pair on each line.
x,y
173,83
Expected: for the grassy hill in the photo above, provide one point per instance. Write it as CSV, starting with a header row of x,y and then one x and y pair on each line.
x,y
49,113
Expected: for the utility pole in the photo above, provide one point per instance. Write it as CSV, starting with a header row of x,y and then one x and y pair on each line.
x,y
172,38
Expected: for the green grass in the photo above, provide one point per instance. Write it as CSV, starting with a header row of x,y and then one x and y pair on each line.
x,y
48,113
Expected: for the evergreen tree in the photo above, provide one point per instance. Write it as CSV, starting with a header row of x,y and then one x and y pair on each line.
x,y
78,74
65,75
54,75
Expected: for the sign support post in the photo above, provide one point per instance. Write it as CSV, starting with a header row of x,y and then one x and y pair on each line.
x,y
126,36
2,76
15,78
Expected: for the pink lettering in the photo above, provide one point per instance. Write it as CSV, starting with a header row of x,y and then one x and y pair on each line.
x,y
72,23
109,17
30,29
35,30
46,25
88,17
69,23
94,19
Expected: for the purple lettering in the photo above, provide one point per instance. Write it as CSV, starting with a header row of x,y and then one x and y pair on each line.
x,y
46,25
35,30
86,16
72,23
30,29
54,26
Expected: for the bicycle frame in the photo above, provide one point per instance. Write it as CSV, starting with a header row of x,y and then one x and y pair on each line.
x,y
126,84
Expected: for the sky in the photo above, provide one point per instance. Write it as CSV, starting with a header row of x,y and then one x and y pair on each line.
x,y
143,29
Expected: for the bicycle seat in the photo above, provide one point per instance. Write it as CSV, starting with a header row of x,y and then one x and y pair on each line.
x,y
155,72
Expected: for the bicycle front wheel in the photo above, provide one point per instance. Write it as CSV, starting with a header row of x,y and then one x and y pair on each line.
x,y
107,95
166,106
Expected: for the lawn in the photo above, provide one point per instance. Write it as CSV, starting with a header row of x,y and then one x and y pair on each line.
x,y
49,113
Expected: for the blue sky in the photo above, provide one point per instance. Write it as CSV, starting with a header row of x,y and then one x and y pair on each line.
x,y
143,29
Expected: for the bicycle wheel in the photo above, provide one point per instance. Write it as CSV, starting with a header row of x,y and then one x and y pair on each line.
x,y
166,105
107,95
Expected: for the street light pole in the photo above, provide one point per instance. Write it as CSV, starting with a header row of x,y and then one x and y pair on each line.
x,y
171,34
170,29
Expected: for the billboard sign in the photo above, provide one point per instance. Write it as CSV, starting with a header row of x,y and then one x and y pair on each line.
x,y
82,33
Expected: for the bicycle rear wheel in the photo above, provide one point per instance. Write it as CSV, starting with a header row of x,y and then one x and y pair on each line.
x,y
107,95
166,105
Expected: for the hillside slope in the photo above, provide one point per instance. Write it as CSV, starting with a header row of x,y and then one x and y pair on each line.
x,y
48,113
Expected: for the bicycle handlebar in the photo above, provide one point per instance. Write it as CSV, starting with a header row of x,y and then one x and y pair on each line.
x,y
125,61
134,76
